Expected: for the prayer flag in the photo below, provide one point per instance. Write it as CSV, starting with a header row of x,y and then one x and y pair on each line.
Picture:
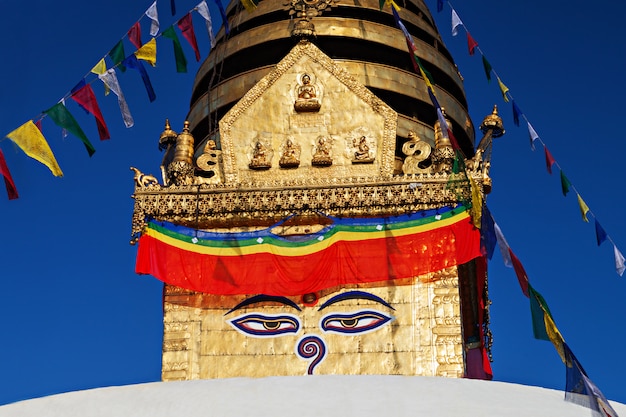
x,y
8,179
99,69
503,245
148,52
109,79
503,89
565,184
86,98
538,309
173,7
533,135
203,10
186,26
61,116
477,203
522,277
516,113
471,44
600,233
132,62
439,5
179,55
456,22
488,238
117,55
220,7
549,160
487,68
134,35
584,209
30,139
373,250
620,262
153,15
579,389
401,26
250,5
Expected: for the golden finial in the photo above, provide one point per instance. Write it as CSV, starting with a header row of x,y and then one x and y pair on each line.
x,y
184,145
493,122
168,137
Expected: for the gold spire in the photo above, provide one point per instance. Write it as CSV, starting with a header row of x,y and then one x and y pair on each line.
x,y
168,137
493,122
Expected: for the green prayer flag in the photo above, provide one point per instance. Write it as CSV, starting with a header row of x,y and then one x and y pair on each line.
x,y
487,67
538,309
64,119
381,3
565,184
179,55
117,55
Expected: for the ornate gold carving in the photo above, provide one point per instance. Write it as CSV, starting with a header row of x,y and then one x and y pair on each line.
x,y
362,152
261,156
307,99
417,152
305,10
210,165
142,180
290,157
322,157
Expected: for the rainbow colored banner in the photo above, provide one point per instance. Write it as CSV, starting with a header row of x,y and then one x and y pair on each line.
x,y
349,251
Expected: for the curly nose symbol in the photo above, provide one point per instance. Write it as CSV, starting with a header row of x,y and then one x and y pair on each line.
x,y
312,347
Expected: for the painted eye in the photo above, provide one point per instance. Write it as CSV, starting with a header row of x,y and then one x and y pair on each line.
x,y
259,325
353,323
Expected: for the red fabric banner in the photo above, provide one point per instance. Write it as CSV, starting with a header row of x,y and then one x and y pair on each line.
x,y
185,24
8,180
134,35
276,271
87,99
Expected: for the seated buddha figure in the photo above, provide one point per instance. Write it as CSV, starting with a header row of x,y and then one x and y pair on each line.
x,y
307,100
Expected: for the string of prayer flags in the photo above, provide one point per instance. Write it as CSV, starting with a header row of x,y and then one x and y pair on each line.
x,y
186,26
8,179
109,79
488,240
584,209
503,89
522,276
134,35
86,98
471,44
117,55
516,113
579,389
620,261
533,135
544,327
28,138
456,22
549,160
61,116
132,62
203,10
153,15
179,55
503,245
220,7
565,184
148,52
600,233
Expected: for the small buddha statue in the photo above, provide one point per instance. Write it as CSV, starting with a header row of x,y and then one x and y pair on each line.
x,y
307,100
291,155
322,156
361,151
260,157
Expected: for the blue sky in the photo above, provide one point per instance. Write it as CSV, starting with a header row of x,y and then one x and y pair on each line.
x,y
74,314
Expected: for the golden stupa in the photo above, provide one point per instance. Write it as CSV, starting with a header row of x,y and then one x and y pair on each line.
x,y
314,216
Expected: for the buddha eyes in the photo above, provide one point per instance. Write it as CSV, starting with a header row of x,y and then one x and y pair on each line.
x,y
354,323
260,325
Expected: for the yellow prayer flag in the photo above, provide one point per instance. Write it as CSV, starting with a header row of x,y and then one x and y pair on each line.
x,y
477,203
99,69
426,79
248,5
148,52
584,209
504,89
554,335
393,4
30,139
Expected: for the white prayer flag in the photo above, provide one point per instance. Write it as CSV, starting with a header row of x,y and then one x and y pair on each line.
x,y
154,16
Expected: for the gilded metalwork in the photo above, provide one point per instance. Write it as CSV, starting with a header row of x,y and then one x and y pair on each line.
x,y
307,96
417,155
305,10
290,156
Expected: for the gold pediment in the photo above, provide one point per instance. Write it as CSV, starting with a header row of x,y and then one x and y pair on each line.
x,y
305,120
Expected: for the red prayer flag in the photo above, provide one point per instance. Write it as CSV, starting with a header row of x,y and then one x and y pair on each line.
x,y
522,277
186,26
8,180
471,44
549,160
87,99
134,35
